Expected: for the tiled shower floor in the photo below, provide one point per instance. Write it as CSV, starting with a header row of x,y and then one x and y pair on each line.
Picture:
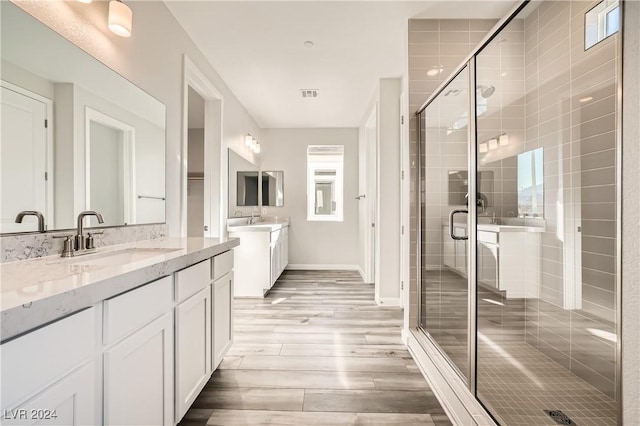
x,y
519,382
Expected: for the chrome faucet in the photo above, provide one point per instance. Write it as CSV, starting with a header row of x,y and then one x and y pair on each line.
x,y
35,213
80,244
495,220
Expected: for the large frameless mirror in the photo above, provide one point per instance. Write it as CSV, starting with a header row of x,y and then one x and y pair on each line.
x,y
75,135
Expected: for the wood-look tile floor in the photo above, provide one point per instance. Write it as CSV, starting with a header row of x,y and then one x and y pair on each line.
x,y
317,351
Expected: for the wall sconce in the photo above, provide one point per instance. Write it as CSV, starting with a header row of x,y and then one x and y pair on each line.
x,y
483,148
493,143
120,18
252,144
503,139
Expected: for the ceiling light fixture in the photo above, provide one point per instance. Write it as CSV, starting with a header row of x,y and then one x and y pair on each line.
x,y
586,99
308,44
85,1
120,18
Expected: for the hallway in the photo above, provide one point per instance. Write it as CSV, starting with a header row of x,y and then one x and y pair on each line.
x,y
317,351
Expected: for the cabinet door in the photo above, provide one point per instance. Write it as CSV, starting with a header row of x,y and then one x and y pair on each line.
x,y
448,249
70,401
274,264
138,377
222,317
193,348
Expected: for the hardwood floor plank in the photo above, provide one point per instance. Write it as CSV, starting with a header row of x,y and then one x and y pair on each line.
x,y
319,363
251,399
372,401
384,351
291,379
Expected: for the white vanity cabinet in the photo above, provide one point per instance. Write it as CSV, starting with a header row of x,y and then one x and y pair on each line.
x,y
454,252
138,357
262,256
48,375
193,333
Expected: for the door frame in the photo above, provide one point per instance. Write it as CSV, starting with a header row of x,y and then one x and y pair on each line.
x,y
405,244
214,152
128,160
371,273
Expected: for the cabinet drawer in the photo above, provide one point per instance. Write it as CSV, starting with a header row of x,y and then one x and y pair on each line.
x,y
130,311
222,264
34,361
191,280
488,237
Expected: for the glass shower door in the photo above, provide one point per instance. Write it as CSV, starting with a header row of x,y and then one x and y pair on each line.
x,y
546,139
444,180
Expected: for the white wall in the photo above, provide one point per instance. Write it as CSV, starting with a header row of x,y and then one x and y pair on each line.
x,y
153,60
314,243
388,223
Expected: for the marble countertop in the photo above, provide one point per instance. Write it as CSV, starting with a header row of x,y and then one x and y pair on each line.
x,y
499,228
263,225
35,292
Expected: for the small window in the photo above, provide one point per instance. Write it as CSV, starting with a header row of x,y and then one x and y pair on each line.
x,y
325,182
602,21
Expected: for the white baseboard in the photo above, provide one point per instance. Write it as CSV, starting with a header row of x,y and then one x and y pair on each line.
x,y
361,272
388,301
452,393
320,267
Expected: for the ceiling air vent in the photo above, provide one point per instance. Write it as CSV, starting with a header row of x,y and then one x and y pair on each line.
x,y
310,93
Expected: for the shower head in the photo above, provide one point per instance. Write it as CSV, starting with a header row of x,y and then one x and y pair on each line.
x,y
486,91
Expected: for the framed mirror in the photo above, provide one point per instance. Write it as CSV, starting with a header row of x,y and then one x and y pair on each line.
x,y
273,189
243,186
75,134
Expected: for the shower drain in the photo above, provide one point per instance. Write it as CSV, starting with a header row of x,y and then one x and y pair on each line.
x,y
559,417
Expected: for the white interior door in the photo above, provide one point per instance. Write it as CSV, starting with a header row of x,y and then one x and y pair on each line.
x,y
23,154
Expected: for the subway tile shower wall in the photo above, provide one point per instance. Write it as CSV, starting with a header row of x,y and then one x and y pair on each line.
x,y
571,98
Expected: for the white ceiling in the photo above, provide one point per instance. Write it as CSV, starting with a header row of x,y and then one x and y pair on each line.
x,y
258,49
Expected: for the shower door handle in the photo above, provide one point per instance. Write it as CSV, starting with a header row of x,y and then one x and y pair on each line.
x,y
451,215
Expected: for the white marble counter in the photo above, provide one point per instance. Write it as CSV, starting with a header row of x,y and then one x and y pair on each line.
x,y
35,292
265,224
499,228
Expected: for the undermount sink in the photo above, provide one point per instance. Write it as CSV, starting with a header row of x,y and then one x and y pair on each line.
x,y
120,257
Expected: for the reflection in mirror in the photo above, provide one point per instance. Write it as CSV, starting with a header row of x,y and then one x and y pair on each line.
x,y
458,187
530,184
98,143
247,188
273,189
241,173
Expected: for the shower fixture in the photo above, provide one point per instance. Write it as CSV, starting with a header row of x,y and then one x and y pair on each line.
x,y
486,91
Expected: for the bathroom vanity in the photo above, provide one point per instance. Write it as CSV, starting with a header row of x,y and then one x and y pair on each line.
x,y
262,256
508,257
128,335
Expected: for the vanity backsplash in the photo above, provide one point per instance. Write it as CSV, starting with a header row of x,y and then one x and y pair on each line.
x,y
31,246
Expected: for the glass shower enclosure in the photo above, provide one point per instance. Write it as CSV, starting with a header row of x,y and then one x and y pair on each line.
x,y
519,285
